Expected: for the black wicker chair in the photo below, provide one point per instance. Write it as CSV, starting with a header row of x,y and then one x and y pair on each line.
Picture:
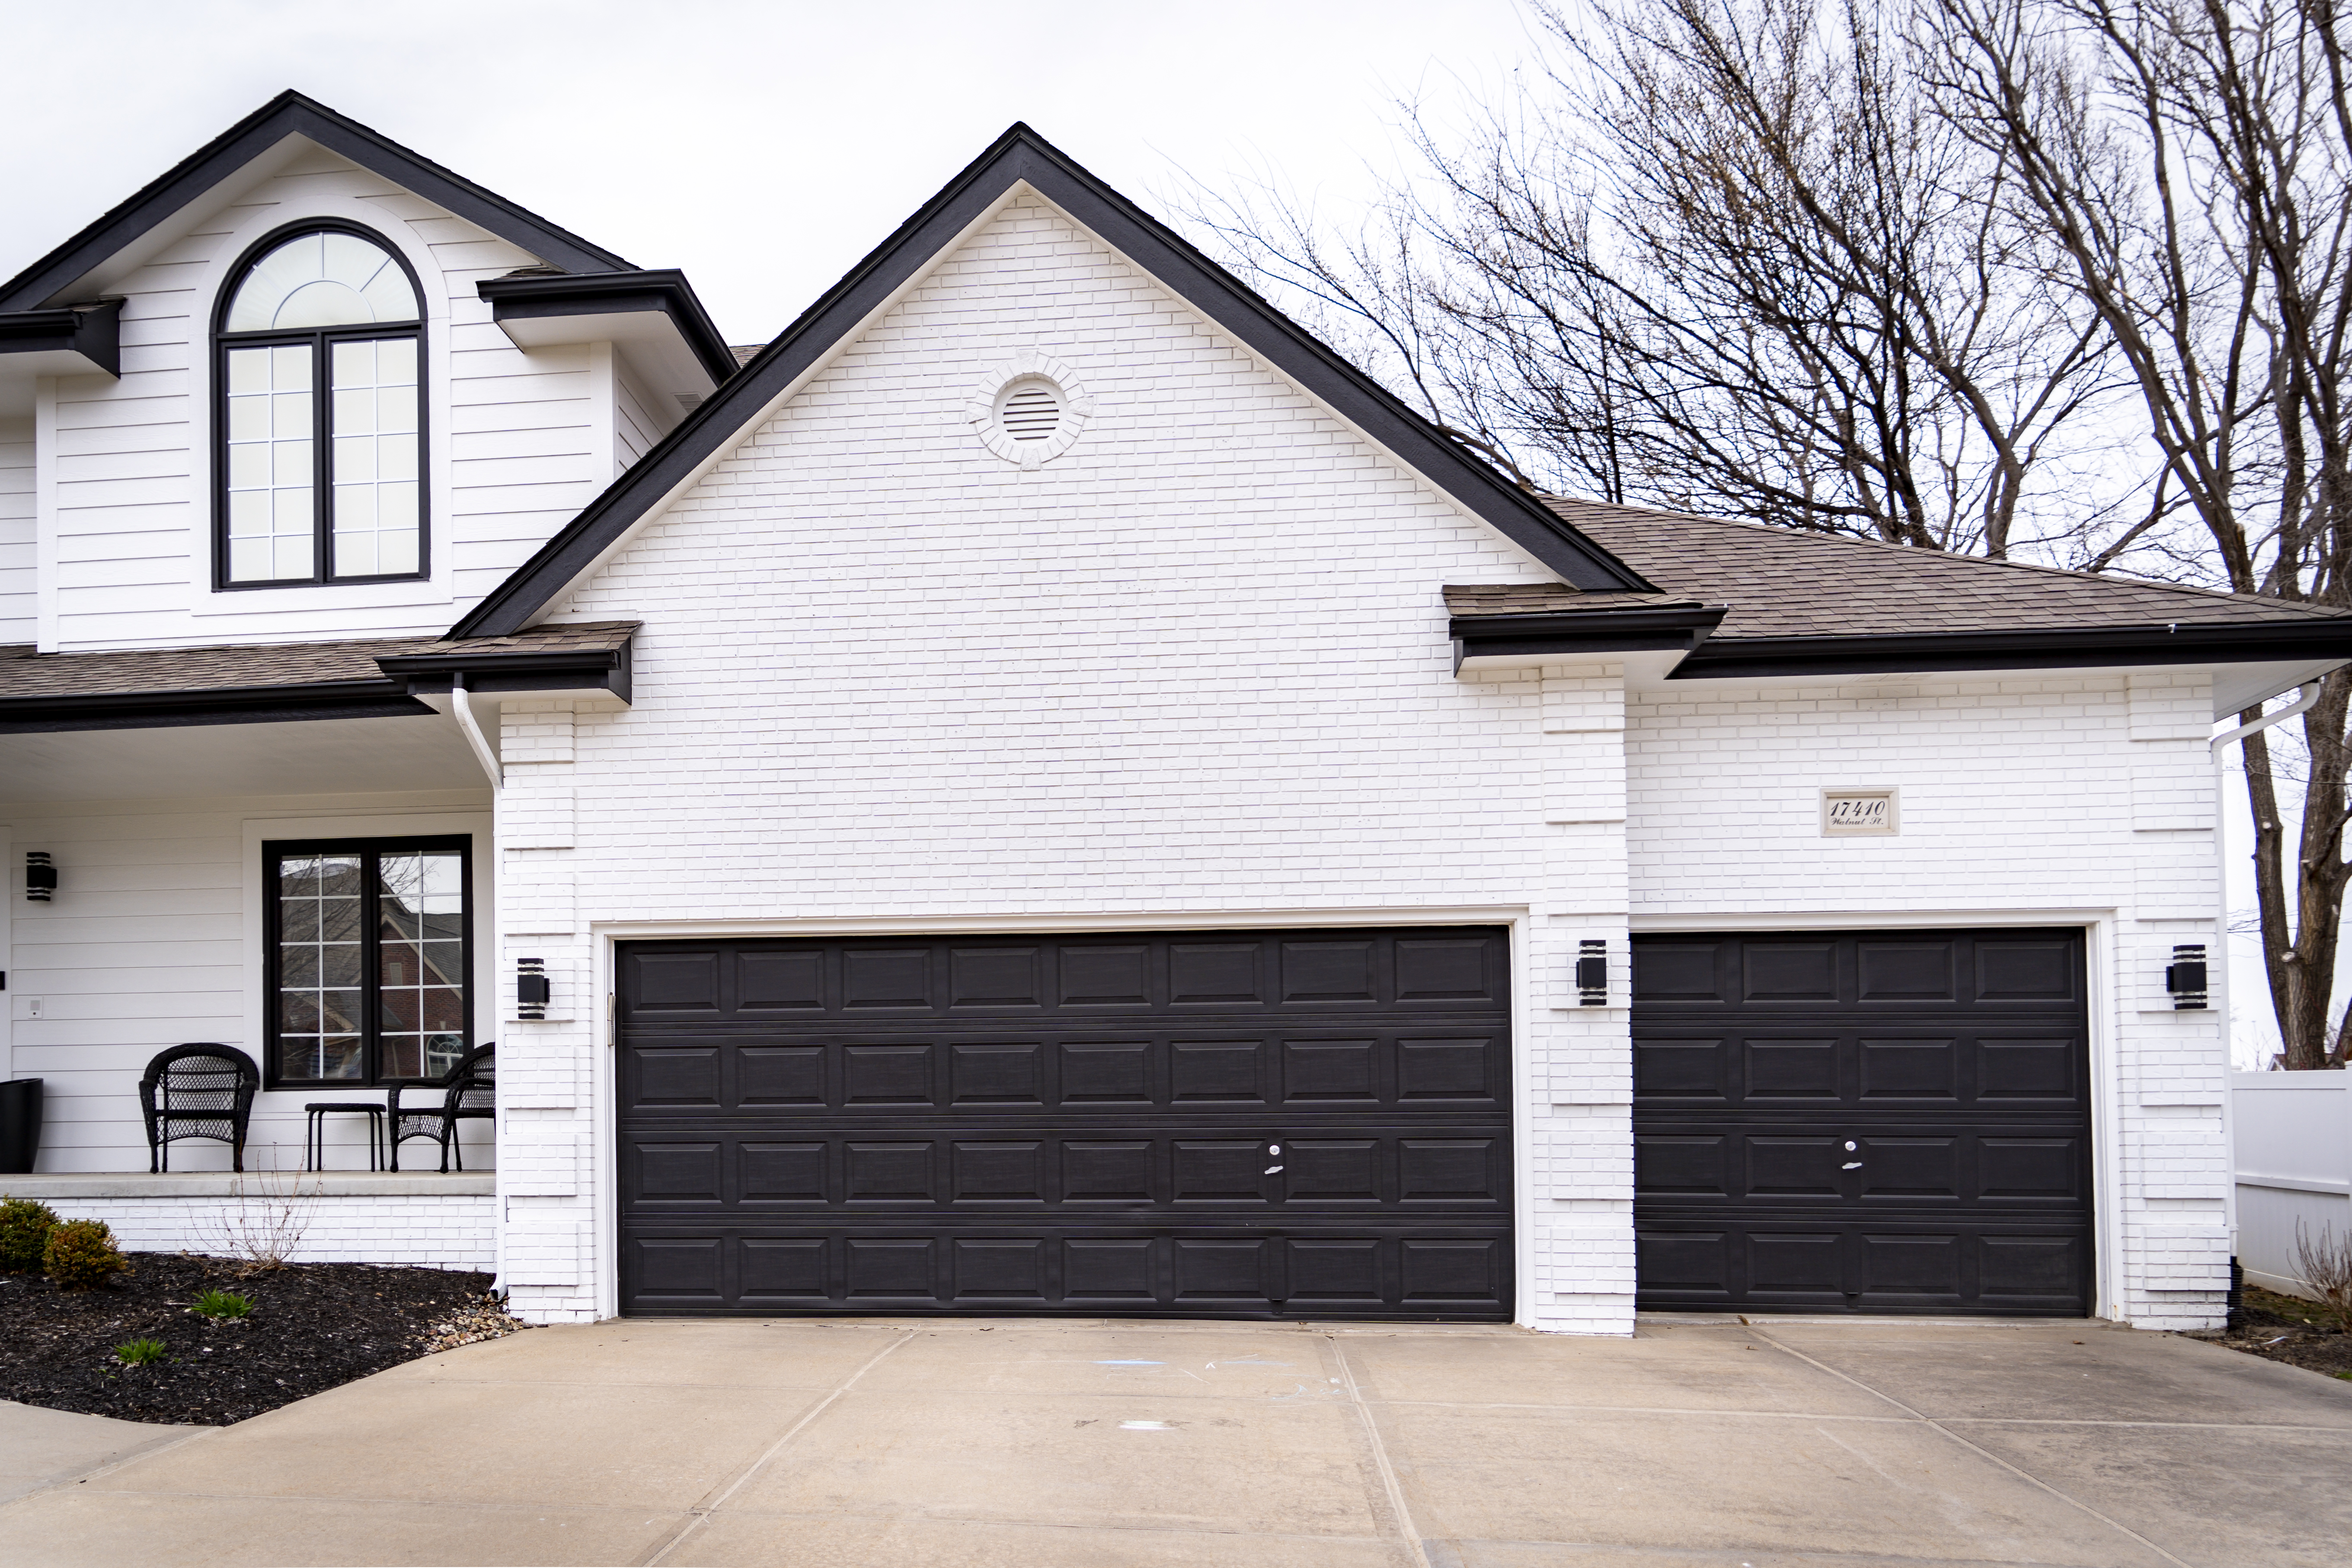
x,y
203,1089
467,1092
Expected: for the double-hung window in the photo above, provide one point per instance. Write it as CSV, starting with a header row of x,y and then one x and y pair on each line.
x,y
320,413
369,958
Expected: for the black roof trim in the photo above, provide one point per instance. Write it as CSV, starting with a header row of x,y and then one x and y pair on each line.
x,y
1635,629
1725,658
293,114
489,673
231,705
1021,155
661,289
93,330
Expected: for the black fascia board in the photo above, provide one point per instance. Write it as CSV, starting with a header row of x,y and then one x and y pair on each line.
x,y
1723,658
487,674
1021,155
93,331
293,114
227,705
662,290
1578,632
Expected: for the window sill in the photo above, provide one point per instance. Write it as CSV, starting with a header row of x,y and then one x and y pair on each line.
x,y
257,1184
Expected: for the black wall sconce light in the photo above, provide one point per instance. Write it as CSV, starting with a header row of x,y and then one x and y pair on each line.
x,y
1593,973
40,876
530,988
2185,977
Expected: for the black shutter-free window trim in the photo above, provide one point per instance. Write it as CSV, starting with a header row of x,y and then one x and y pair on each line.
x,y
321,340
371,850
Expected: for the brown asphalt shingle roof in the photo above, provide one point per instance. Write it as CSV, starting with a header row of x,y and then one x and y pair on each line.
x,y
1783,583
25,673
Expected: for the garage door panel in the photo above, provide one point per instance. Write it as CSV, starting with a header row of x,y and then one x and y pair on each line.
x,y
1792,1070
1334,1075
1056,1268
778,1076
924,1126
1869,1121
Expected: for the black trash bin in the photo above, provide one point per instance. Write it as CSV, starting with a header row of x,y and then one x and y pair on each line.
x,y
20,1125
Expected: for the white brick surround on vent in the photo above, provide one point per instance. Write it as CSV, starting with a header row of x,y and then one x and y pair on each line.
x,y
1197,667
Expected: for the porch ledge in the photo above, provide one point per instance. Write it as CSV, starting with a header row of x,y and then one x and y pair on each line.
x,y
253,1183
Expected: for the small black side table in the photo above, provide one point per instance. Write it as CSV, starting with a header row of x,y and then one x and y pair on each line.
x,y
314,1142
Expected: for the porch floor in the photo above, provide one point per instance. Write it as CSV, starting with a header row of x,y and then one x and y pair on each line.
x,y
1026,1443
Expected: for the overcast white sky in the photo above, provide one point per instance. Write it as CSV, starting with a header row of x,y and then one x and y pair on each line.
x,y
763,147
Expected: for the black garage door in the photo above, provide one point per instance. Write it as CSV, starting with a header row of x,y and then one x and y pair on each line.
x,y
1241,1124
1866,1122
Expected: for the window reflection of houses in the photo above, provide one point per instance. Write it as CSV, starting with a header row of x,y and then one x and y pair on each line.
x,y
418,936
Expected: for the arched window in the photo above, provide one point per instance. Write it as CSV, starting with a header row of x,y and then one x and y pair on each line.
x,y
321,412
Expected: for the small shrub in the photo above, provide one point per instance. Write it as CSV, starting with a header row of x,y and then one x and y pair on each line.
x,y
24,1227
2326,1266
223,1304
81,1255
139,1353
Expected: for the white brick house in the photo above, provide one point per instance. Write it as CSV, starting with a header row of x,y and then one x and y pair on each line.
x,y
1045,791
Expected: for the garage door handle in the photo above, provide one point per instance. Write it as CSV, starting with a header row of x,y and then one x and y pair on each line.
x,y
1851,1165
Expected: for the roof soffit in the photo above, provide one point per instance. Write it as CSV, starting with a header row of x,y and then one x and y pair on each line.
x,y
1021,161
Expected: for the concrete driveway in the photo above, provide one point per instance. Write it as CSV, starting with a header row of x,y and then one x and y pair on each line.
x,y
1024,1443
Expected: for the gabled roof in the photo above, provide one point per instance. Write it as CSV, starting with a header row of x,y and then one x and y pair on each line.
x,y
291,114
1022,155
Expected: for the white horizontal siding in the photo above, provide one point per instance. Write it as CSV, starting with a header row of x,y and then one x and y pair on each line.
x,y
18,569
144,947
510,442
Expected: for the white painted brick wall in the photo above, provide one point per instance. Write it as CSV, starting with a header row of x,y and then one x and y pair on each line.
x,y
455,1232
2074,793
1199,664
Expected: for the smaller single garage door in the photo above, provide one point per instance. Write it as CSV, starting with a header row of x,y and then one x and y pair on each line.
x,y
1247,1124
1865,1121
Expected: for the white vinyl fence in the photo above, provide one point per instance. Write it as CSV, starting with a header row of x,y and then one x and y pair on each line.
x,y
2293,1137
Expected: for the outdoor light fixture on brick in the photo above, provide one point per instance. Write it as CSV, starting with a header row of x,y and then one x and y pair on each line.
x,y
2185,977
40,876
1593,973
530,988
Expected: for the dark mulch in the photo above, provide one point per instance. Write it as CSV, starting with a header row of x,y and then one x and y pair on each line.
x,y
313,1326
2288,1329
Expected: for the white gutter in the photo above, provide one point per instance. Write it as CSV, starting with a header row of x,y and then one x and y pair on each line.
x,y
2310,694
461,704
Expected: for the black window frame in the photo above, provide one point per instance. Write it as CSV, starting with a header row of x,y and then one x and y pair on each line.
x,y
273,852
320,339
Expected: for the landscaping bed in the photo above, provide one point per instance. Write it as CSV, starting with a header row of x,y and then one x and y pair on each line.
x,y
313,1326
2288,1329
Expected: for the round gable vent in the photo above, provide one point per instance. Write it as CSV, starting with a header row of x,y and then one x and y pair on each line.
x,y
1031,411
1028,411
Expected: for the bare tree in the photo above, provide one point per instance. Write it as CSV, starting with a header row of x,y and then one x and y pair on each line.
x,y
1724,255
2193,159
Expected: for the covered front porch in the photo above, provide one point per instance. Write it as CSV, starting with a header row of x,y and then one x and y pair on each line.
x,y
285,851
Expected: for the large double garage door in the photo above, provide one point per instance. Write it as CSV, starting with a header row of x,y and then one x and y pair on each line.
x,y
1868,1122
1247,1124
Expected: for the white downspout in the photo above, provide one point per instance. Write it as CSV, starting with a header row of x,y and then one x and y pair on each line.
x,y
2302,704
461,704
